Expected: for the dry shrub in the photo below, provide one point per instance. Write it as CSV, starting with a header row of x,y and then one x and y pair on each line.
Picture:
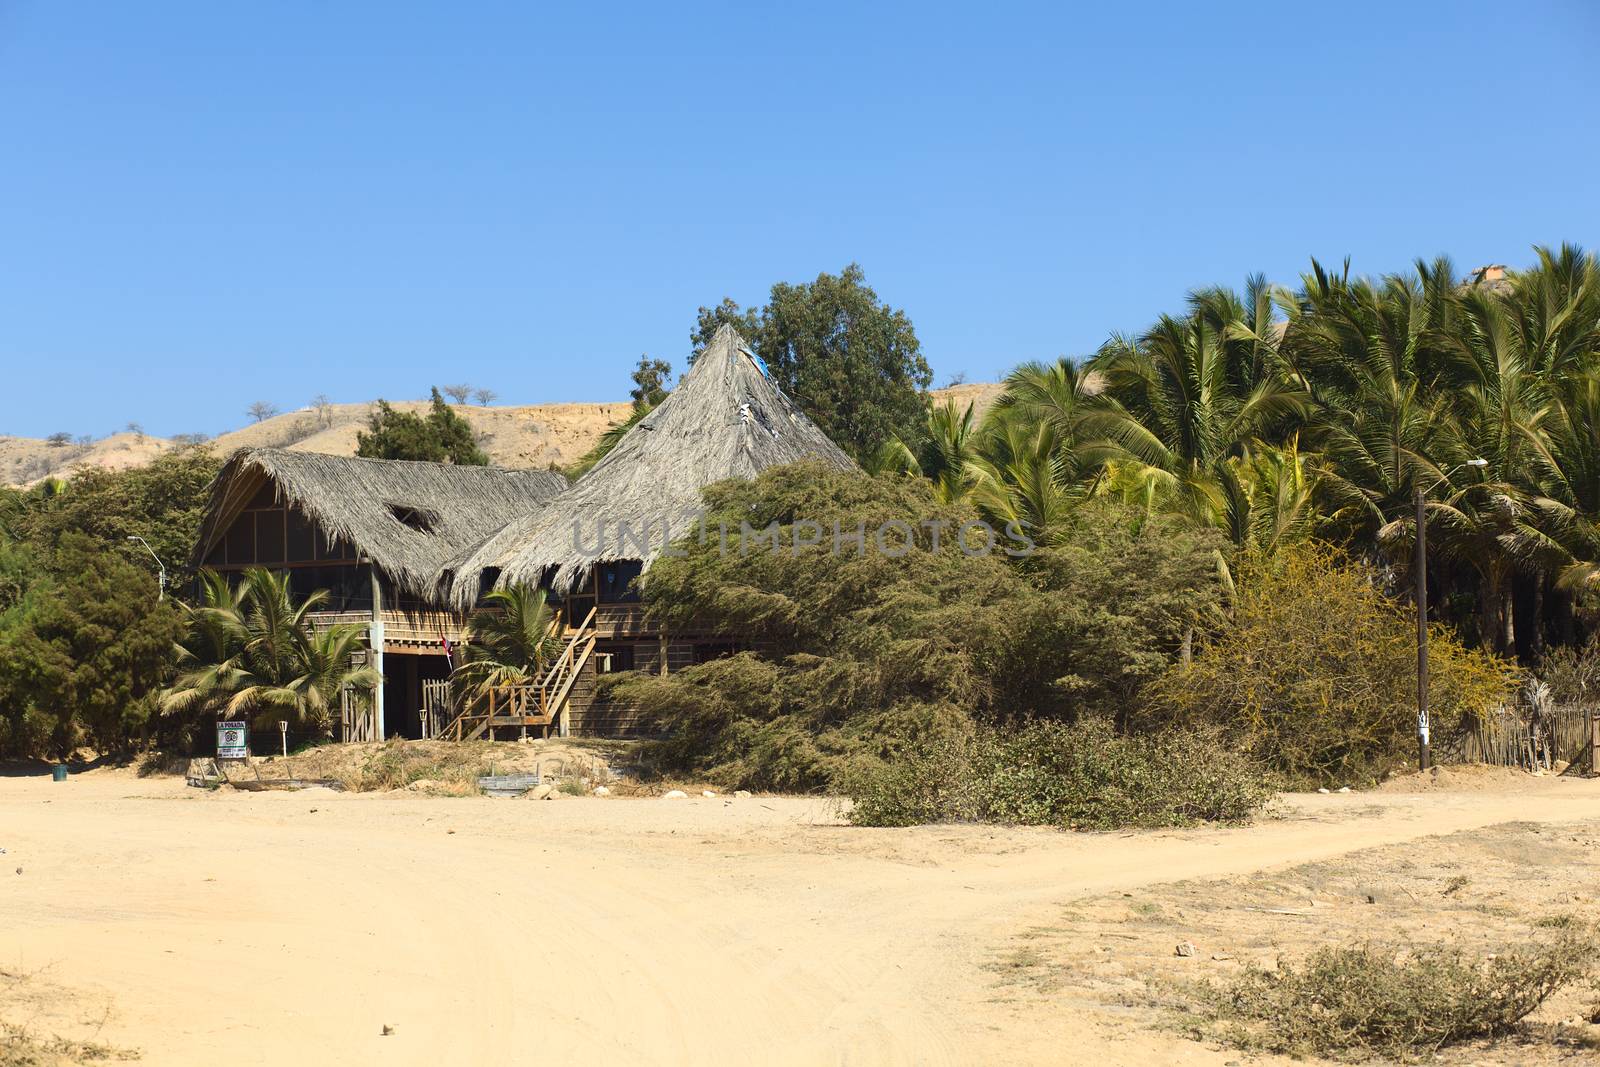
x,y
1079,776
1315,675
1367,1000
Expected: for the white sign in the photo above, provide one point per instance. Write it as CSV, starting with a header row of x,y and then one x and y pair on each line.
x,y
232,740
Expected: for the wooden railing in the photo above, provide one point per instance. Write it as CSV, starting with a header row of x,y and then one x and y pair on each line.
x,y
398,625
540,704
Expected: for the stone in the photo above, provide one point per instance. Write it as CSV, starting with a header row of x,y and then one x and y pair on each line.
x,y
601,791
674,794
1344,789
540,792
1185,948
1324,791
709,794
742,794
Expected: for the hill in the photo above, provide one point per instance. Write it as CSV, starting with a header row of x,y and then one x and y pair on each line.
x,y
535,435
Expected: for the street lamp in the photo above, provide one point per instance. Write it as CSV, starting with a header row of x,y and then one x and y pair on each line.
x,y
161,578
1421,568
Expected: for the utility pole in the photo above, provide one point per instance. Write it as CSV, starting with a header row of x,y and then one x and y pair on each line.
x,y
1421,567
161,568
1424,755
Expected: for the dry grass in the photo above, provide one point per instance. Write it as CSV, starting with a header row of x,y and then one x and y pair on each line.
x,y
36,1019
449,768
1433,918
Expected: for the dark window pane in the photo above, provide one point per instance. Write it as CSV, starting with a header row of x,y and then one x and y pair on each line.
x,y
269,536
242,541
217,555
301,545
616,581
266,497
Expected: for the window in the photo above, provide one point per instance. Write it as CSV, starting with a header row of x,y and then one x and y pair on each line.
x,y
621,657
419,519
301,538
617,581
269,536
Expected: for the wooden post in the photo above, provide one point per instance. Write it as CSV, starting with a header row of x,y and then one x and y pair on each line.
x,y
1594,742
375,636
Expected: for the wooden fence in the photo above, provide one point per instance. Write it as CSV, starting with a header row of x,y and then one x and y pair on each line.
x,y
1521,735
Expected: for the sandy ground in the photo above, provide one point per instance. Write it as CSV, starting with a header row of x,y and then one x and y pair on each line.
x,y
270,928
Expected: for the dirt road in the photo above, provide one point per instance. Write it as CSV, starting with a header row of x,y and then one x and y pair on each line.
x,y
283,928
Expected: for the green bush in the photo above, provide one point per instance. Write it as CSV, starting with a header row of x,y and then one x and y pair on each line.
x,y
1365,1000
1081,776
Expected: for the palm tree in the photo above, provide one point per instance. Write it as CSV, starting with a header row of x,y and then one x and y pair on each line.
x,y
947,455
510,642
1026,478
252,650
1190,395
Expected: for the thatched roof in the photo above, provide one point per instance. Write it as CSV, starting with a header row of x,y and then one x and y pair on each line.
x,y
369,503
726,419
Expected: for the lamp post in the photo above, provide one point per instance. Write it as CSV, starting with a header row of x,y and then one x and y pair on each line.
x,y
161,568
1421,569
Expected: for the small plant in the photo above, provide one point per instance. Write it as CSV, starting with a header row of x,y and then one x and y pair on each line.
x,y
572,787
1369,1000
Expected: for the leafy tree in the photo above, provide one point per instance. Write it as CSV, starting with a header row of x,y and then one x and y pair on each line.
x,y
650,382
441,436
163,502
86,653
856,653
850,361
59,440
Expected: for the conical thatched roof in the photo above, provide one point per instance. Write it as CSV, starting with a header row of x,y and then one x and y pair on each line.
x,y
726,419
410,519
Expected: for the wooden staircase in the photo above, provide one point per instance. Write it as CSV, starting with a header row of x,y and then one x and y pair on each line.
x,y
542,704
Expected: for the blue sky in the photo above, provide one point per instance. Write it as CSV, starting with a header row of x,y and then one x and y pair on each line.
x,y
206,204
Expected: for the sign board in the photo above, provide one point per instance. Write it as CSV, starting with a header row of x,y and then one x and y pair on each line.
x,y
232,740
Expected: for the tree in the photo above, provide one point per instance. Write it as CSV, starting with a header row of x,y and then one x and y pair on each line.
x,y
650,382
1192,393
485,397
261,410
509,642
851,362
856,653
59,440
1315,672
163,502
441,437
322,408
86,657
251,650
458,393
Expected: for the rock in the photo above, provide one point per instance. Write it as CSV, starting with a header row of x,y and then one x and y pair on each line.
x,y
1344,789
540,792
1219,956
601,791
674,794
742,794
709,794
386,1031
1323,791
1185,948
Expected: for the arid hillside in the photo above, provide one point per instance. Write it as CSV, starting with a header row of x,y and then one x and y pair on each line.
x,y
536,435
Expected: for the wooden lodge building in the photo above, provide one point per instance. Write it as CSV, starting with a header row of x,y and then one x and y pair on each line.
x,y
410,549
